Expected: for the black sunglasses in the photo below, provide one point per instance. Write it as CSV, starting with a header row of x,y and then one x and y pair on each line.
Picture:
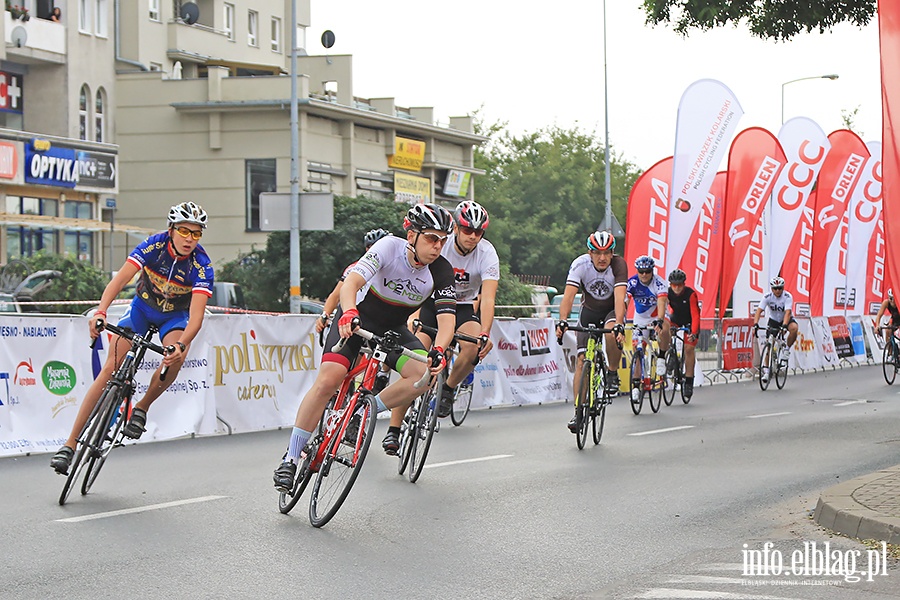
x,y
645,271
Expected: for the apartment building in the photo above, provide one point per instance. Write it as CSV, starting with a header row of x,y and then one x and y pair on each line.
x,y
209,121
191,101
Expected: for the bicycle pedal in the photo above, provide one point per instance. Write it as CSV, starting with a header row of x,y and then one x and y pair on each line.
x,y
437,427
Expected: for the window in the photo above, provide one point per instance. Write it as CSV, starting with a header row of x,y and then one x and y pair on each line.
x,y
228,21
83,113
25,241
98,117
79,243
301,37
252,28
102,10
276,34
84,16
260,177
154,10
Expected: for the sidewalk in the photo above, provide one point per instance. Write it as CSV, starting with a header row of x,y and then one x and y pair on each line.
x,y
867,507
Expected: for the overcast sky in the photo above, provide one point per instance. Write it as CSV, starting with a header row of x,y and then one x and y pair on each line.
x,y
535,64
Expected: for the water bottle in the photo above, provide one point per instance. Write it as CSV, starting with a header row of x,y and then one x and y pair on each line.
x,y
469,379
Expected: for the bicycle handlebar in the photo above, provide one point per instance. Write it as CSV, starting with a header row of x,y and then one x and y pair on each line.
x,y
380,341
130,336
590,330
481,341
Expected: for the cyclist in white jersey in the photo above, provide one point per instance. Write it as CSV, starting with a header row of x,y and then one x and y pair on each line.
x,y
402,274
650,293
778,305
601,276
476,269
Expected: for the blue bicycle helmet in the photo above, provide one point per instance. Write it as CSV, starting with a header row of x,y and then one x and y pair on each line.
x,y
644,262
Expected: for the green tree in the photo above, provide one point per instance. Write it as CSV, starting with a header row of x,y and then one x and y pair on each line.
x,y
778,19
79,280
545,193
265,276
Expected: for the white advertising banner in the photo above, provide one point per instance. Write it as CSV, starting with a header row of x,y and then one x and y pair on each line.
x,y
45,365
875,338
708,114
805,352
863,213
805,146
821,331
531,365
261,367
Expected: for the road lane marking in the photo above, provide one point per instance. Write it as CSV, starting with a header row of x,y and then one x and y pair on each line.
x,y
666,430
468,460
139,509
780,414
849,402
675,593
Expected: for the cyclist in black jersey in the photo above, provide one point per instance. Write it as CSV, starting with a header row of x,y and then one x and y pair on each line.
x,y
401,275
890,306
684,305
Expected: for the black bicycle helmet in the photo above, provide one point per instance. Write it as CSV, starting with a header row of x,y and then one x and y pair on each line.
x,y
428,216
677,276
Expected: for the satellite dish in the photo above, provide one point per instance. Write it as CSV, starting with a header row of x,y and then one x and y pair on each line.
x,y
190,12
328,38
18,36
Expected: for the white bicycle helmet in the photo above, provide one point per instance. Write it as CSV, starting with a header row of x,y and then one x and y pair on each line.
x,y
188,212
471,214
776,282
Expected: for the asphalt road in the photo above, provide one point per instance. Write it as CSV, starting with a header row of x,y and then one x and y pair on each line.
x,y
662,508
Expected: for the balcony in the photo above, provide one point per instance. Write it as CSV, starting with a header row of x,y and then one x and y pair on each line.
x,y
200,43
36,41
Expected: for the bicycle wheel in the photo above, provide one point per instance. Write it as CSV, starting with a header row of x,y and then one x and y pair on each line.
x,y
341,465
781,372
582,404
91,430
600,401
637,400
675,380
115,415
889,364
764,366
681,374
657,389
428,416
407,432
462,403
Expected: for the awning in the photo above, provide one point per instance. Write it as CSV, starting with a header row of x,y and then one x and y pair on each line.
x,y
67,224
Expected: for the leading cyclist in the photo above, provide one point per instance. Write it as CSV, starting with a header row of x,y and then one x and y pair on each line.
x,y
176,282
476,271
401,275
602,276
778,304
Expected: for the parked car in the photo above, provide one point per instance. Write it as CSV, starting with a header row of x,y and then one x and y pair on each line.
x,y
576,307
227,295
8,304
31,285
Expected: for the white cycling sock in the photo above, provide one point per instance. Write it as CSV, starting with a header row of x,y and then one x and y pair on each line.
x,y
299,437
379,405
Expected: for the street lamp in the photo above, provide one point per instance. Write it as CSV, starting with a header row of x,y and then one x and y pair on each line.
x,y
831,77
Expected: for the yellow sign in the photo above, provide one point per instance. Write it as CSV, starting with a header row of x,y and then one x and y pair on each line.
x,y
408,154
412,189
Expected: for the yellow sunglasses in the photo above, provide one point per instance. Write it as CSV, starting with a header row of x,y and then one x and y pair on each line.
x,y
185,232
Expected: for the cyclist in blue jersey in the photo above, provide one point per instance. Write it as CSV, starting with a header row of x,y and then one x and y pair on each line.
x,y
650,293
176,281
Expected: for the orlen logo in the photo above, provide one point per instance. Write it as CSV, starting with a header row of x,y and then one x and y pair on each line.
x,y
659,214
800,176
840,195
58,377
24,379
535,341
755,199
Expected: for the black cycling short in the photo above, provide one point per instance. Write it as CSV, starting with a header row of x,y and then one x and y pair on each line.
x,y
347,355
592,317
464,313
773,326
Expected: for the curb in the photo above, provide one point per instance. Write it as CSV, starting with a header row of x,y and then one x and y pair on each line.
x,y
838,509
